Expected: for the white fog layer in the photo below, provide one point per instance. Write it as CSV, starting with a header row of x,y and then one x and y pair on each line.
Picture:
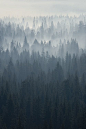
x,y
56,35
41,7
42,64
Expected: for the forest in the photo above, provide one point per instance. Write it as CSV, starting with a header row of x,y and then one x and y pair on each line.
x,y
43,72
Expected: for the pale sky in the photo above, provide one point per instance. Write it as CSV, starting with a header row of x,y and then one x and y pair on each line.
x,y
41,7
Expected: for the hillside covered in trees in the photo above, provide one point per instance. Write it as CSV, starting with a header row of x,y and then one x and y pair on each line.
x,y
43,72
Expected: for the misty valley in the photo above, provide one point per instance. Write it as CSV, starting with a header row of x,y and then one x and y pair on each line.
x,y
43,72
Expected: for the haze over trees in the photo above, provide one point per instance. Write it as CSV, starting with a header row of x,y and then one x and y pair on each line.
x,y
43,72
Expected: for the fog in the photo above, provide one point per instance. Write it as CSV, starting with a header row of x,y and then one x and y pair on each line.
x,y
42,64
43,72
51,33
41,7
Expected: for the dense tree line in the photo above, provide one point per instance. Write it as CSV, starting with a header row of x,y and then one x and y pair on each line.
x,y
37,91
44,29
43,73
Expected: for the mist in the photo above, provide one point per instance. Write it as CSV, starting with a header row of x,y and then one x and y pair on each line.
x,y
41,7
42,64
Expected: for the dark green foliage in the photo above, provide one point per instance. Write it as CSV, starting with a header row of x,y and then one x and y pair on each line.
x,y
35,94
